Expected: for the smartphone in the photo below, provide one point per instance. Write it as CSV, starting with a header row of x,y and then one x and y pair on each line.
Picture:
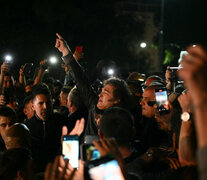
x,y
106,168
162,100
174,74
70,150
89,152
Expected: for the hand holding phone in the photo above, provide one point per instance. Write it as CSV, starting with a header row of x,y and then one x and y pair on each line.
x,y
70,150
162,100
89,152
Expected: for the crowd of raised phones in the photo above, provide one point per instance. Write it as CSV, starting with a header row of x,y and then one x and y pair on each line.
x,y
109,129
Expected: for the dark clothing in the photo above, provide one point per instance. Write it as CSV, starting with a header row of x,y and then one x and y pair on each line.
x,y
88,95
2,145
63,110
150,135
73,117
46,138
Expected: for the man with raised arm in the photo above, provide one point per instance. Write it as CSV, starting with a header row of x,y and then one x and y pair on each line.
x,y
114,93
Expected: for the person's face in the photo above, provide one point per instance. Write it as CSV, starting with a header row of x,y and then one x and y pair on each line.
x,y
28,111
8,82
106,97
148,95
42,106
4,125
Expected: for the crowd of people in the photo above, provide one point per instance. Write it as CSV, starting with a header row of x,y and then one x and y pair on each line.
x,y
124,120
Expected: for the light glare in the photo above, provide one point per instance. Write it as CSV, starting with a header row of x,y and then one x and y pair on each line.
x,y
143,45
53,60
110,71
8,58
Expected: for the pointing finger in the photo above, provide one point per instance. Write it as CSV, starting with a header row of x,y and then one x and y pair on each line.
x,y
59,36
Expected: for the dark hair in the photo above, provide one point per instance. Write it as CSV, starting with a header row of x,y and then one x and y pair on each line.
x,y
121,91
10,113
118,123
40,89
12,161
75,98
26,100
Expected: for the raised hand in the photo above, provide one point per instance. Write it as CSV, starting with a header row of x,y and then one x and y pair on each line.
x,y
62,46
4,67
194,73
185,102
77,130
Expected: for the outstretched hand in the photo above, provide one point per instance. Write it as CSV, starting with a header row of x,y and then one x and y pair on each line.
x,y
62,45
194,73
77,130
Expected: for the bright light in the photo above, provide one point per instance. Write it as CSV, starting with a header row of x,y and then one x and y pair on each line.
x,y
110,71
143,45
8,58
53,60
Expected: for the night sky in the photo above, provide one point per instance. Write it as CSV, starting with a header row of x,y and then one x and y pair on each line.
x,y
28,28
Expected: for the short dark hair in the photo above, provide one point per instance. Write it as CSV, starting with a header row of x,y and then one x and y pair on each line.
x,y
10,113
41,89
121,91
12,161
118,123
26,100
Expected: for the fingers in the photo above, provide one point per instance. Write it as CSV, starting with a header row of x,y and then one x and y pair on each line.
x,y
173,163
59,36
64,130
79,127
75,129
101,149
62,174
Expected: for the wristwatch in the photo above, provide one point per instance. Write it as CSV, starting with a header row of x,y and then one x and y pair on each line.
x,y
185,116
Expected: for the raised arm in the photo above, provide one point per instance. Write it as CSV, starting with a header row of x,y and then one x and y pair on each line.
x,y
194,73
4,69
187,144
40,74
22,79
79,74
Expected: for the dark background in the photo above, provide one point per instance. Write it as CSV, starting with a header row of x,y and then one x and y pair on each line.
x,y
28,29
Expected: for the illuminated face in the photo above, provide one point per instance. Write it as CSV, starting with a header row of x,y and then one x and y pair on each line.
x,y
148,95
106,97
4,125
28,111
42,106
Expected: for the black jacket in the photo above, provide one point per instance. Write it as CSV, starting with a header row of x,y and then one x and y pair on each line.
x,y
46,138
88,95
